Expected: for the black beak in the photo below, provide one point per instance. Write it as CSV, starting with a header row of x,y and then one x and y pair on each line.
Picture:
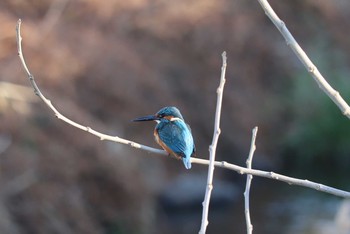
x,y
146,118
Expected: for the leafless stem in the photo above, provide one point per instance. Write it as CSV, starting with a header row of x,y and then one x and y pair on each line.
x,y
248,183
67,120
302,56
276,176
223,164
212,147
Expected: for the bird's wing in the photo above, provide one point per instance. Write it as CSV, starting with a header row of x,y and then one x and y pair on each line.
x,y
178,139
193,153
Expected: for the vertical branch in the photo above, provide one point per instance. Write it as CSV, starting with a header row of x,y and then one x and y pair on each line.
x,y
212,147
302,56
249,181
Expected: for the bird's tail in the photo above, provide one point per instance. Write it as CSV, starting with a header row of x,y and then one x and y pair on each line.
x,y
187,162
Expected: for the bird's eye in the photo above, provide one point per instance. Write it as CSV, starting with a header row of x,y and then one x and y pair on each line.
x,y
160,116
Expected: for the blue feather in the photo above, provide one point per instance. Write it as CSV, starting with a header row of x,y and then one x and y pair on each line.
x,y
178,138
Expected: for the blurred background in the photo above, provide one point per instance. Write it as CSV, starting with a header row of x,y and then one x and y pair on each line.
x,y
103,63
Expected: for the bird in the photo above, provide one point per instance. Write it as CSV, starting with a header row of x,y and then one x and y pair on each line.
x,y
172,134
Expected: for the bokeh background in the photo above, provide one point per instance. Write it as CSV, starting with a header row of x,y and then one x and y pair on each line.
x,y
103,63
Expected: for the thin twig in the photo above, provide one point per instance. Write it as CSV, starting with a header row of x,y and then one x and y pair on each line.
x,y
302,56
212,147
223,164
249,181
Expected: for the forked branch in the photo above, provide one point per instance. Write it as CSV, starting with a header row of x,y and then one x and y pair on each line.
x,y
229,166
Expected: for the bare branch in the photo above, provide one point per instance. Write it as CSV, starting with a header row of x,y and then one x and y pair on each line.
x,y
223,164
212,147
310,67
249,181
64,118
276,176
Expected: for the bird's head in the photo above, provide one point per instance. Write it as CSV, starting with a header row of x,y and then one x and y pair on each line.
x,y
170,113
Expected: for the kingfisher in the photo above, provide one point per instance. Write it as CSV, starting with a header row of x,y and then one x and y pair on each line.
x,y
173,134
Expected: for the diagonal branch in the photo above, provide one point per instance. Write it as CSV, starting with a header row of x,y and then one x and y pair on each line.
x,y
212,147
223,164
64,118
302,56
248,183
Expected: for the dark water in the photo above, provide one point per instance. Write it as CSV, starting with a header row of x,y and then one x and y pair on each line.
x,y
276,208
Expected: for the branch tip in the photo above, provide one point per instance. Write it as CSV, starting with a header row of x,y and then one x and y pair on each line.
x,y
223,54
